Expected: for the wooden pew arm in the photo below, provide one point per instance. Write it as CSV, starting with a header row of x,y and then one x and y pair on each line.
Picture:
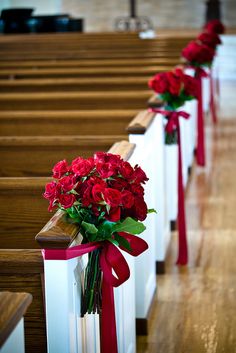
x,y
12,308
140,123
155,102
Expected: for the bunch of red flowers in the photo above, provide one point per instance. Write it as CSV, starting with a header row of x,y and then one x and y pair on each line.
x,y
104,187
211,39
104,196
215,26
174,87
198,54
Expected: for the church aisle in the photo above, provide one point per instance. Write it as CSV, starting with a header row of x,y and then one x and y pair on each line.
x,y
196,306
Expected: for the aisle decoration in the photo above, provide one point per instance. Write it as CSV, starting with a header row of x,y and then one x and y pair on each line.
x,y
104,196
212,40
215,26
175,88
199,56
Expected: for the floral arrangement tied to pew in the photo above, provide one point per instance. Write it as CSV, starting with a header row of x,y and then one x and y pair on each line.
x,y
104,196
175,88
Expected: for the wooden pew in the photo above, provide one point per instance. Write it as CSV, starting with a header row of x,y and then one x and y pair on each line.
x,y
91,72
74,84
70,63
34,156
13,307
23,270
74,100
53,123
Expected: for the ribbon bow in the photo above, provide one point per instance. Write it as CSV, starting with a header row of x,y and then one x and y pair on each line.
x,y
111,259
173,118
173,124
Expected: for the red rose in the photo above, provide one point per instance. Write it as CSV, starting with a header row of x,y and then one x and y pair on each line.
x,y
119,184
67,200
174,83
197,53
82,167
215,26
126,170
67,183
139,176
159,83
97,191
140,208
87,199
210,39
127,199
190,86
51,190
137,189
60,169
52,205
103,157
106,170
114,214
112,197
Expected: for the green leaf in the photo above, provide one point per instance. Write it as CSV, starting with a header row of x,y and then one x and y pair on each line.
x,y
89,227
113,241
105,230
122,242
151,210
129,225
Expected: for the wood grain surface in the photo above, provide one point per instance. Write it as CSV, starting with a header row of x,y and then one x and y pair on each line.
x,y
12,308
36,155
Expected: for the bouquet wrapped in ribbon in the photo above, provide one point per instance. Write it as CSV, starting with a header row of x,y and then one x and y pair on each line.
x,y
174,88
215,26
104,196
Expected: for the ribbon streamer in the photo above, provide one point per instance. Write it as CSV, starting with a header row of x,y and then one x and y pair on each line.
x,y
173,124
200,149
111,259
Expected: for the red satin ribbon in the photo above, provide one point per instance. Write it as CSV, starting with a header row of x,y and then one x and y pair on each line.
x,y
111,259
200,149
212,99
173,124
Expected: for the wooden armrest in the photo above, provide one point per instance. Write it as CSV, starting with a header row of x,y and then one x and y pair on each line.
x,y
140,123
155,102
12,308
123,148
57,233
21,261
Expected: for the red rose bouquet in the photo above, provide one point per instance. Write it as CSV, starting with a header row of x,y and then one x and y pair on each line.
x,y
198,54
215,26
211,39
104,195
174,88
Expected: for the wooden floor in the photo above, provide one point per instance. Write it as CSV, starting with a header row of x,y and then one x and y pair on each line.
x,y
195,308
